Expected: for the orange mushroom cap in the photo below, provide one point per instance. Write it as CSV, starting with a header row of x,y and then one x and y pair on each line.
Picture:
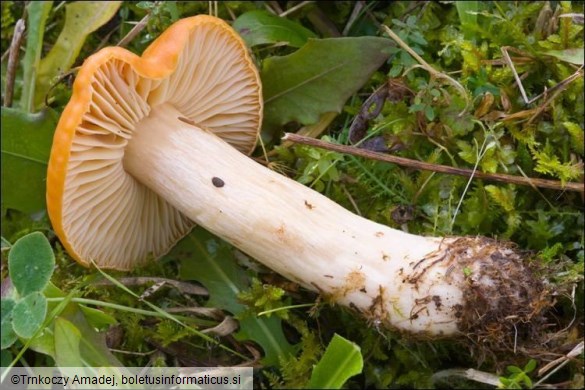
x,y
100,212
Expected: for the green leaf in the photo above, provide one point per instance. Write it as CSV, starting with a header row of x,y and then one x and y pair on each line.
x,y
574,56
67,344
81,19
429,113
93,347
30,263
318,78
467,11
530,366
38,11
26,145
261,27
342,360
28,314
97,318
211,262
514,369
8,336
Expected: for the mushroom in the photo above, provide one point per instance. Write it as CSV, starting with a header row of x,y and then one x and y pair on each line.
x,y
149,146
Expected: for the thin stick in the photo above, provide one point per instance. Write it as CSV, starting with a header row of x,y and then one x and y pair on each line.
x,y
511,65
499,177
480,153
559,86
295,8
135,31
13,61
359,5
426,66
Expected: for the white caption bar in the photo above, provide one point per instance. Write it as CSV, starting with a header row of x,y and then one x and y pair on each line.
x,y
114,378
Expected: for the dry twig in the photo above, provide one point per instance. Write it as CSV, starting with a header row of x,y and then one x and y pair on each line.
x,y
13,61
499,177
135,30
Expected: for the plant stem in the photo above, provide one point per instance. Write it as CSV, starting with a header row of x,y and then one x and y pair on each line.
x,y
263,313
93,302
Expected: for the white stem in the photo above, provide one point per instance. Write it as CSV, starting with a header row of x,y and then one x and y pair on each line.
x,y
390,276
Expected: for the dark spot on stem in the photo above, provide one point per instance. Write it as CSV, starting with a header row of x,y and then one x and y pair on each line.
x,y
437,300
217,182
